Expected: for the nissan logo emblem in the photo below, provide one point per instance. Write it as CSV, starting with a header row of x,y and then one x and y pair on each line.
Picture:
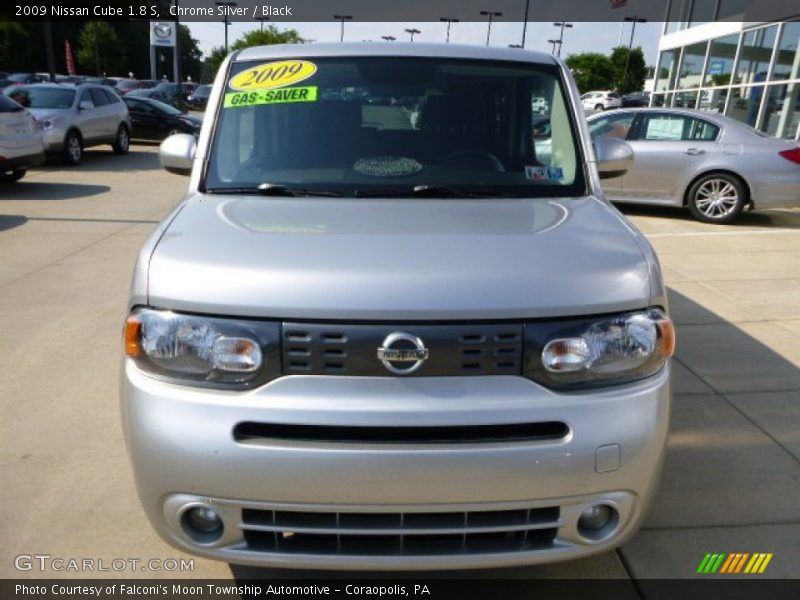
x,y
395,349
162,30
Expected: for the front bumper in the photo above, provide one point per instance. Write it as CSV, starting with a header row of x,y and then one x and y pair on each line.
x,y
184,454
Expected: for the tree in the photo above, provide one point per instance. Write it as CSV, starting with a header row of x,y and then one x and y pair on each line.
x,y
15,46
99,47
270,35
191,56
592,71
630,79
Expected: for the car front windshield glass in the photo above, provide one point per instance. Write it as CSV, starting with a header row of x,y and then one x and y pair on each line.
x,y
42,97
370,125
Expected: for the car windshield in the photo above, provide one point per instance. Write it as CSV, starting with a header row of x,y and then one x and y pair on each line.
x,y
127,83
42,97
19,77
365,126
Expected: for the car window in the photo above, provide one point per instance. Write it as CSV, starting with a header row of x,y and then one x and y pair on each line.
x,y
667,127
98,97
41,97
86,96
369,124
8,105
612,126
112,97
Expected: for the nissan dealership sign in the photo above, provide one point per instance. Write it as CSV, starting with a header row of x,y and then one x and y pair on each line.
x,y
162,34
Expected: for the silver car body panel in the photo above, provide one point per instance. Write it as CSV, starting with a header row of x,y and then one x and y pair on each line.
x,y
406,260
663,171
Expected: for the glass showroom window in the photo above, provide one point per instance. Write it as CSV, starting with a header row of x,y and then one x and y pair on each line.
x,y
713,100
755,55
678,15
731,10
691,70
720,60
667,70
744,103
787,62
702,12
782,110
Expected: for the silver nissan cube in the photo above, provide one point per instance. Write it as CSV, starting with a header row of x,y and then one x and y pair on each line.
x,y
394,323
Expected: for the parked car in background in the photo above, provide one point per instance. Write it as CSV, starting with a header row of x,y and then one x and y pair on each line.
x,y
601,100
154,120
169,91
484,379
636,99
124,86
23,78
146,84
714,165
148,93
198,99
74,117
21,144
107,81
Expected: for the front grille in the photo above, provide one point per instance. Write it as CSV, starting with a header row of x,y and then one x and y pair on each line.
x,y
455,349
410,534
451,434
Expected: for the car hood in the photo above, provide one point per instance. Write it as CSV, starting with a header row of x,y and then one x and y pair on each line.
x,y
392,259
48,113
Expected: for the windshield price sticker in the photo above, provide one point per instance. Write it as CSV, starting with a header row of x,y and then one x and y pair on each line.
x,y
273,75
544,173
280,96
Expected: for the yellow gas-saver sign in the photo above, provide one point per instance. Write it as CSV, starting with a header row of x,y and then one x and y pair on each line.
x,y
273,75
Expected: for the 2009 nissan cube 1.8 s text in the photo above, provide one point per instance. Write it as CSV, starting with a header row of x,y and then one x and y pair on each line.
x,y
394,324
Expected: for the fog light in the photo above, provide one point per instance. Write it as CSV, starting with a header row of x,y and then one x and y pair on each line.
x,y
595,517
203,521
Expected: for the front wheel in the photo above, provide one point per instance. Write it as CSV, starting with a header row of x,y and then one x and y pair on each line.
x,y
73,149
12,176
123,141
717,198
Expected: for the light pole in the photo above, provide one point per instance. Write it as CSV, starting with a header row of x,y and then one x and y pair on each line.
x,y
411,32
262,19
449,22
555,43
388,38
634,20
562,25
491,14
225,20
342,18
525,21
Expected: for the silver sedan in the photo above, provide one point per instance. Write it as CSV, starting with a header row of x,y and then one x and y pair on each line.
x,y
714,165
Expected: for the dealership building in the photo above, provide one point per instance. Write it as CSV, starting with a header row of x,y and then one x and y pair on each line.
x,y
711,59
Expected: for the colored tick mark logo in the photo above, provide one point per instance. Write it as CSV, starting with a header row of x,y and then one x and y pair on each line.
x,y
737,562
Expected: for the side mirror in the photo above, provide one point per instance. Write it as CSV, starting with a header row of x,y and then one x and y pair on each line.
x,y
614,157
177,153
85,105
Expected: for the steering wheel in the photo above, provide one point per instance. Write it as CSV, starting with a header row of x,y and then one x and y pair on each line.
x,y
474,159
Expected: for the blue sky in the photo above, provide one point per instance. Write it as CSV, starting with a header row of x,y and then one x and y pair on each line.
x,y
583,37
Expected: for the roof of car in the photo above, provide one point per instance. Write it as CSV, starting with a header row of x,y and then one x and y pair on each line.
x,y
393,49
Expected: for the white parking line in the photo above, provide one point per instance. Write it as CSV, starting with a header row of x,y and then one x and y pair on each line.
x,y
699,233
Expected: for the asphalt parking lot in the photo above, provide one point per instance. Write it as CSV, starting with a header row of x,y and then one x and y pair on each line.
x,y
68,238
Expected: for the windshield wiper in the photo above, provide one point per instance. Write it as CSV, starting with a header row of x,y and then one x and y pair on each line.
x,y
428,191
274,189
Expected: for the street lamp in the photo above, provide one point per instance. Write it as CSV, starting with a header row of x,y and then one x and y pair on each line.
x,y
562,25
525,21
491,14
412,32
634,19
555,43
262,19
449,22
388,38
343,18
225,20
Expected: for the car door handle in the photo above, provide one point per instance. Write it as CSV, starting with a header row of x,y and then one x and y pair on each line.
x,y
694,151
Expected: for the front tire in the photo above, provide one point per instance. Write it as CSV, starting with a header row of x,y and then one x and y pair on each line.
x,y
717,198
72,154
123,141
13,176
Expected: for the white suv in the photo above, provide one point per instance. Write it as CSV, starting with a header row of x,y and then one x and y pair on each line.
x,y
20,141
601,100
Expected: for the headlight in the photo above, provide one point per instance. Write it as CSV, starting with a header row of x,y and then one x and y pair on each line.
x,y
608,350
204,350
49,123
